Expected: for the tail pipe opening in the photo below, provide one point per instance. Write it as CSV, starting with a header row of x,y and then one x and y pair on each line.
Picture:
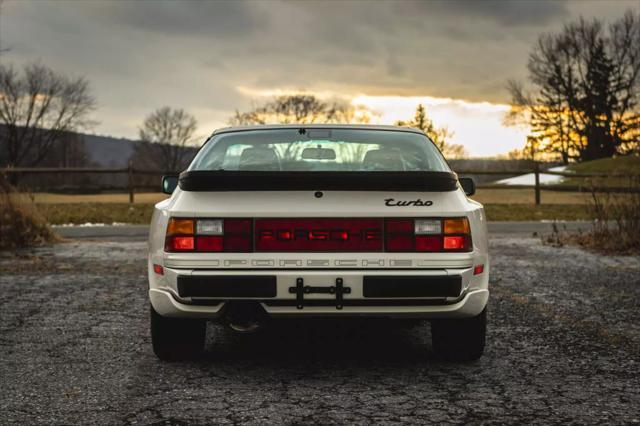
x,y
245,316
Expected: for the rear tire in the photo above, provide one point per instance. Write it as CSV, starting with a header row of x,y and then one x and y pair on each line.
x,y
460,339
176,339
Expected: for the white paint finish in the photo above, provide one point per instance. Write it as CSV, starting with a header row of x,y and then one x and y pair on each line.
x,y
472,304
303,204
322,268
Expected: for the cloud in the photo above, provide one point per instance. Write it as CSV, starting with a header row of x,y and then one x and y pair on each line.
x,y
226,19
511,13
140,55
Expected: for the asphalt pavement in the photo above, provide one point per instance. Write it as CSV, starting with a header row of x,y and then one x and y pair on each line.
x,y
563,346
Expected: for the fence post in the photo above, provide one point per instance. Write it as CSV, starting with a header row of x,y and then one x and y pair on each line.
x,y
130,185
536,171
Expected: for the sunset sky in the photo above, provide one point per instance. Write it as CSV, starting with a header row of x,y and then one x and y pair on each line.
x,y
211,58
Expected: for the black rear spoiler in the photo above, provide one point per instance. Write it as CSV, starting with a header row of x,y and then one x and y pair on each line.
x,y
224,180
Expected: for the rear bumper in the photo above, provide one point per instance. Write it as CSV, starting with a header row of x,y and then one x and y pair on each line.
x,y
415,293
471,304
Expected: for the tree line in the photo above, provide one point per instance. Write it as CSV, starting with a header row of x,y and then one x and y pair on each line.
x,y
581,100
41,109
308,109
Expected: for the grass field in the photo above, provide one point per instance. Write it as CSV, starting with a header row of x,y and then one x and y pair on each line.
x,y
484,196
141,198
526,196
627,166
500,204
618,165
79,213
87,212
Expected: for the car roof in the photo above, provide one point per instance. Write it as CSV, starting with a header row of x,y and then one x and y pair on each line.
x,y
318,126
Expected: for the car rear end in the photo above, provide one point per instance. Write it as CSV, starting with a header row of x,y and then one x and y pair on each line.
x,y
322,222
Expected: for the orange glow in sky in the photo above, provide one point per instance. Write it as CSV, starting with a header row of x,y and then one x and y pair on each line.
x,y
478,126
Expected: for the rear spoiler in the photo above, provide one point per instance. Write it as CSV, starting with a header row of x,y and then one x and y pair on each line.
x,y
225,180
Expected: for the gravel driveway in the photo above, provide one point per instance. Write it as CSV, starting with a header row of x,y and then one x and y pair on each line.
x,y
563,346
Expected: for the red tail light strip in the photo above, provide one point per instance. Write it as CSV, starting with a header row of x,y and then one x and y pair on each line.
x,y
319,235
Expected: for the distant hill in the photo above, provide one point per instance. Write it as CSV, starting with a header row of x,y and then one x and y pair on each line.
x,y
90,150
106,151
86,150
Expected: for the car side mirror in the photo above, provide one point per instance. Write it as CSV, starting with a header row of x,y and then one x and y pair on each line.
x,y
468,185
169,184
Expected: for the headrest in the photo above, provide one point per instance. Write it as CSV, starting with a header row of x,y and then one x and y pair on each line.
x,y
383,159
259,159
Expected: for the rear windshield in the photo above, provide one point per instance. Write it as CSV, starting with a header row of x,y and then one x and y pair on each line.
x,y
331,150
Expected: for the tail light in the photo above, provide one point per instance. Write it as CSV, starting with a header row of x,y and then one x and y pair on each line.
x,y
318,235
209,235
428,235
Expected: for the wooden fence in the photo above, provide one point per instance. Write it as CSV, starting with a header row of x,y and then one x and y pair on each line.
x,y
131,172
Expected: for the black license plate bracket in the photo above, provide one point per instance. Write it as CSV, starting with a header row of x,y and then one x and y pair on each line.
x,y
338,289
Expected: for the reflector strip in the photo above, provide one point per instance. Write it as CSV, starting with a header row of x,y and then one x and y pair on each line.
x,y
427,235
318,235
428,243
213,243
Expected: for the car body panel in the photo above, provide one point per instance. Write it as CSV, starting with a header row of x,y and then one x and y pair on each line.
x,y
320,269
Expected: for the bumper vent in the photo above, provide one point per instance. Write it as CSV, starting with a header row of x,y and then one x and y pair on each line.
x,y
412,286
227,286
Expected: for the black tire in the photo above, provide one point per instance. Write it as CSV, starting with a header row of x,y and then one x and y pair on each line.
x,y
176,339
460,339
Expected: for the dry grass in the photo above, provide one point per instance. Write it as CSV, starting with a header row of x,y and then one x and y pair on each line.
x,y
21,224
531,212
527,196
139,198
79,213
616,219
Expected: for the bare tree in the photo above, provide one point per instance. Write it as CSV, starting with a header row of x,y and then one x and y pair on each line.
x,y
300,109
584,100
165,135
37,108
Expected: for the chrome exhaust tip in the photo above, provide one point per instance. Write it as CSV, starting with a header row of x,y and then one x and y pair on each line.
x,y
245,317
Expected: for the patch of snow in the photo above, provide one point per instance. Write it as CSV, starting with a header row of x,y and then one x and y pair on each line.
x,y
530,178
562,221
89,224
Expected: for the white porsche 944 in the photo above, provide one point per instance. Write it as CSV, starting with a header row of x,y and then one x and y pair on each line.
x,y
318,221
